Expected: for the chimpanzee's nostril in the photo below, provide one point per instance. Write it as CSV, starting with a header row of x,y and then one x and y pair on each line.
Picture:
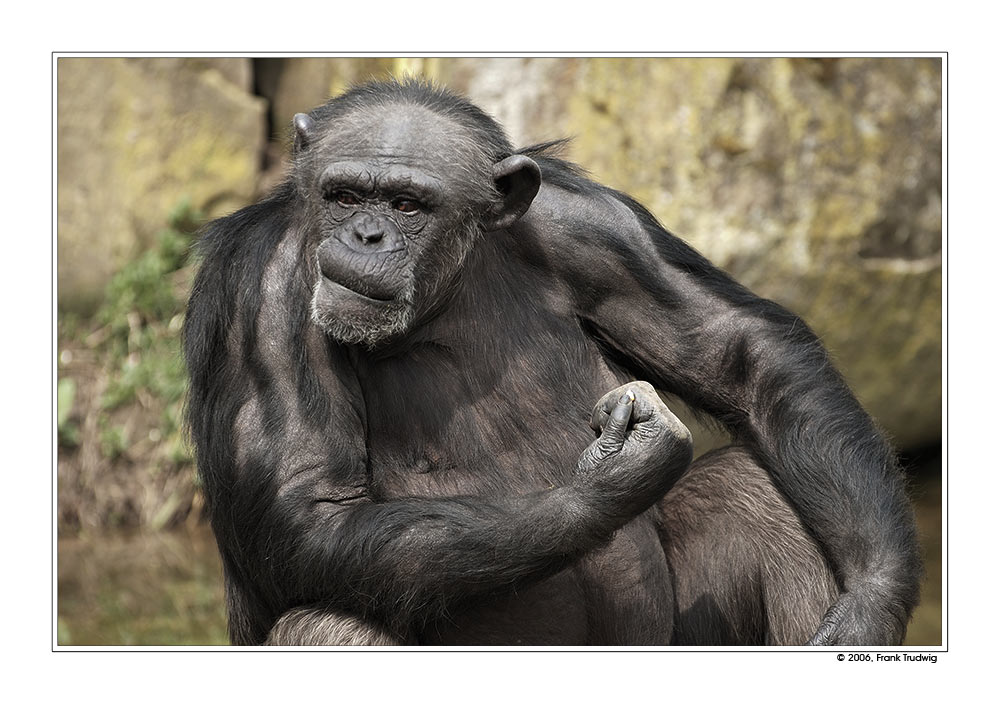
x,y
370,237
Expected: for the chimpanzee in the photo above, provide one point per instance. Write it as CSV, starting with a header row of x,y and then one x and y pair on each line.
x,y
394,365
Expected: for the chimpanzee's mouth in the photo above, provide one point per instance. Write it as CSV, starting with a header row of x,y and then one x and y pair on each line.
x,y
368,276
337,286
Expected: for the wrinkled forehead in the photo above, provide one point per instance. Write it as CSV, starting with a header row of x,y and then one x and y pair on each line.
x,y
398,133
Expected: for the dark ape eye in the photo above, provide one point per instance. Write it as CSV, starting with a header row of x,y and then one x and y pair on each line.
x,y
345,198
407,206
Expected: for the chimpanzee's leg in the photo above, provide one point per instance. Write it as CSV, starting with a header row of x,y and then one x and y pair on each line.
x,y
745,570
315,625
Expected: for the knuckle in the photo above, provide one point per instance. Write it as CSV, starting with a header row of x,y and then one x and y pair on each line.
x,y
607,446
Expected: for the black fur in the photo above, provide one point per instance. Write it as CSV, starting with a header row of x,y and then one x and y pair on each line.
x,y
436,481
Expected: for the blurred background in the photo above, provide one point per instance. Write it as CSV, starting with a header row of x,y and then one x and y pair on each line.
x,y
814,181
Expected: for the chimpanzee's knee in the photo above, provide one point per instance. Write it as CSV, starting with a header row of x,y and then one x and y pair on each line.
x,y
746,571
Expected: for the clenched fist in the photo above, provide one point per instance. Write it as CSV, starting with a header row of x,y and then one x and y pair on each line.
x,y
642,449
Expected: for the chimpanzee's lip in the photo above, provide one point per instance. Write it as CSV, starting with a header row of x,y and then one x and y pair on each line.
x,y
339,287
361,275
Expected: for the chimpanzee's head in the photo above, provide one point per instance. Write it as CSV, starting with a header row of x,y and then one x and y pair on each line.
x,y
398,181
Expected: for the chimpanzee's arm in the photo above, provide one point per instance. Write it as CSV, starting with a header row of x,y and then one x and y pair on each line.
x,y
278,423
665,313
404,561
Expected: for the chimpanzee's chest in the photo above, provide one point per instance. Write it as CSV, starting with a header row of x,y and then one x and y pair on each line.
x,y
492,417
497,418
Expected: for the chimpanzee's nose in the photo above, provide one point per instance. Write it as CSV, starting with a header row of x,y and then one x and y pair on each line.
x,y
369,231
369,237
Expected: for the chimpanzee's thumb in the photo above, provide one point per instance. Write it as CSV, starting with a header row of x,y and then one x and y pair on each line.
x,y
613,436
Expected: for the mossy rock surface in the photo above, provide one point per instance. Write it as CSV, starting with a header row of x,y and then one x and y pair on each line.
x,y
135,138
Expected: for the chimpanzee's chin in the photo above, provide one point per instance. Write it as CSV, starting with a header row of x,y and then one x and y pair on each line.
x,y
353,318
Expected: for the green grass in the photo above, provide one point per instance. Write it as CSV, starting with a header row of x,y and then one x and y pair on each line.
x,y
137,340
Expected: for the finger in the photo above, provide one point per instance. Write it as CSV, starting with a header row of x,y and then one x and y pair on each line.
x,y
646,404
614,429
645,400
610,400
598,418
824,634
642,387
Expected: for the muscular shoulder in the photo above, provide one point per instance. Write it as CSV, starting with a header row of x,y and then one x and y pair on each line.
x,y
584,231
580,208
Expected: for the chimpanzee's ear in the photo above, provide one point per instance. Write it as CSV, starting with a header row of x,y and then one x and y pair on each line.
x,y
305,130
518,179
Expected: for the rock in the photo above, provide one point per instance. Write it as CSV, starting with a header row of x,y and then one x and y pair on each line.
x,y
136,138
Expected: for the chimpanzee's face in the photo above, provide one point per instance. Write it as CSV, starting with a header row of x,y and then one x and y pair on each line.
x,y
397,197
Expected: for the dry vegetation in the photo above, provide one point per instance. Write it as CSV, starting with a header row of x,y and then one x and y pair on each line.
x,y
123,456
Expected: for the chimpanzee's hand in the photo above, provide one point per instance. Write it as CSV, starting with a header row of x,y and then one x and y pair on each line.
x,y
861,617
641,451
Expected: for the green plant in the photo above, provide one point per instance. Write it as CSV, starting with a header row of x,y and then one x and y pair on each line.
x,y
69,434
138,344
141,297
143,313
114,441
